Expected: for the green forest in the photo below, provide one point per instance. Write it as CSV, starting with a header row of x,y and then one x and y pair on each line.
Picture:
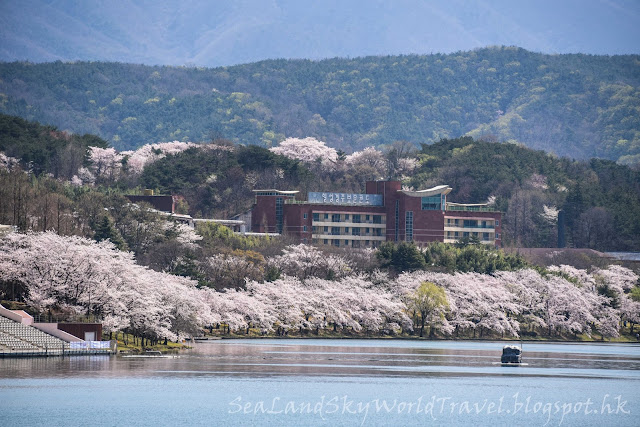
x,y
577,105
600,198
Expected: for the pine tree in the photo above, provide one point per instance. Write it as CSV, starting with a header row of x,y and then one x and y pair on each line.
x,y
104,230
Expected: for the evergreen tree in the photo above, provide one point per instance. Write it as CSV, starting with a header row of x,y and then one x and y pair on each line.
x,y
104,230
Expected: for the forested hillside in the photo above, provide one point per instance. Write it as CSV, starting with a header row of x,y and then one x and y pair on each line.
x,y
601,199
45,148
580,106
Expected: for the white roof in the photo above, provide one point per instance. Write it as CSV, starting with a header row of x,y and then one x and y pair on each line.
x,y
220,221
440,189
273,190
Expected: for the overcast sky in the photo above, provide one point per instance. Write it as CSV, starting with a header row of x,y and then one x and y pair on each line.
x,y
214,33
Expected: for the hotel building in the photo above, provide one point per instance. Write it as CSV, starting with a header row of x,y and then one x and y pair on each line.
x,y
384,213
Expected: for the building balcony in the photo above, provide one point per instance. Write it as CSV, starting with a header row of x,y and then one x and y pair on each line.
x,y
347,237
468,229
463,208
349,223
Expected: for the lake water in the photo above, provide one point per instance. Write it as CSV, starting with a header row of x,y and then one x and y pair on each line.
x,y
329,382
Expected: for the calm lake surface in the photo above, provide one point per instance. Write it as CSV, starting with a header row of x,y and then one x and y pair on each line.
x,y
329,382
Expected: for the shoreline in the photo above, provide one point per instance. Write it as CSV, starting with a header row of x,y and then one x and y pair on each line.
x,y
493,339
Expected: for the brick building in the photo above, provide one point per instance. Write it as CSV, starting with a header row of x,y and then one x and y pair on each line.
x,y
161,203
384,213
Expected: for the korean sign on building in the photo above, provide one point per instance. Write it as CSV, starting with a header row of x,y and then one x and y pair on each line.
x,y
345,199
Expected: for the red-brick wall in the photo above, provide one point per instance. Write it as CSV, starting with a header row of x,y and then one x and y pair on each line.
x,y
294,221
263,215
497,216
428,225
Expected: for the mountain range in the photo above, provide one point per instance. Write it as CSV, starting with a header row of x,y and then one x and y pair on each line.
x,y
577,105
222,33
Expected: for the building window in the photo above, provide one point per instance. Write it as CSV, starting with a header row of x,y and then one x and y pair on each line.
x,y
305,215
366,230
279,221
497,236
326,229
485,236
336,242
355,231
366,217
408,224
335,218
304,228
326,216
326,241
316,217
335,231
346,217
346,229
433,203
355,243
497,223
346,243
356,218
377,219
397,219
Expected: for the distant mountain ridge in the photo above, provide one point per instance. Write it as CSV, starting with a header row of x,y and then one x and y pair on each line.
x,y
223,33
579,106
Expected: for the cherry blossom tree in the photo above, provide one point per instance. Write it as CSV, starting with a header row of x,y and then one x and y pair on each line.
x,y
231,271
284,298
8,163
368,162
477,302
616,283
562,305
304,261
308,150
136,160
75,275
105,163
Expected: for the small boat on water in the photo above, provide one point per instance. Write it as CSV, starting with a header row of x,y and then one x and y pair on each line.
x,y
511,355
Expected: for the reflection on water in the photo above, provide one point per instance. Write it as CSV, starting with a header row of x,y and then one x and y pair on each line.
x,y
233,380
345,357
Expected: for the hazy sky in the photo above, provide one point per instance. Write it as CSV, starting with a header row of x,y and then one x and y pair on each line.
x,y
228,32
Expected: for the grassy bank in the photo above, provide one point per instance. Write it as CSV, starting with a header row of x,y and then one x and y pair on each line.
x,y
129,344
